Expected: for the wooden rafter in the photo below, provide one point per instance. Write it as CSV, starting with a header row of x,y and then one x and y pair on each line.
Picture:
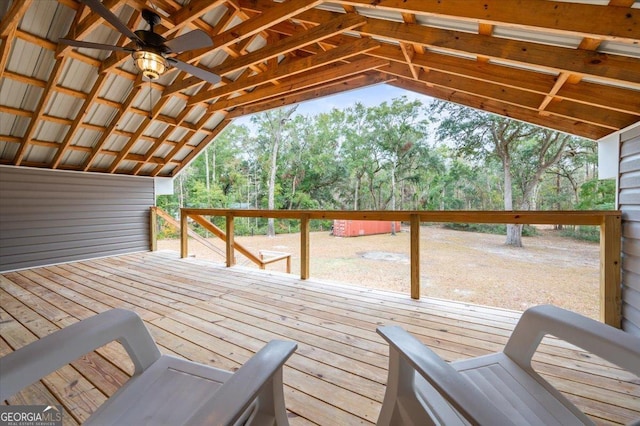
x,y
114,123
518,113
323,74
586,20
291,68
331,88
88,100
611,67
342,24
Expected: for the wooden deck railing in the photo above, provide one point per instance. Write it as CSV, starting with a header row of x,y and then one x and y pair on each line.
x,y
608,221
266,257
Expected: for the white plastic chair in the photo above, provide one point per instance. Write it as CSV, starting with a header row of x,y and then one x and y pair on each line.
x,y
500,388
164,390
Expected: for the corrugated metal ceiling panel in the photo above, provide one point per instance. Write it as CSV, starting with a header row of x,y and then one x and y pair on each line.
x,y
33,54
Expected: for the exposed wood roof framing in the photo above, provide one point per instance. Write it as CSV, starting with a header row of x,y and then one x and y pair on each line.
x,y
570,65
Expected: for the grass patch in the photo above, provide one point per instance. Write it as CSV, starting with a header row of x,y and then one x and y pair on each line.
x,y
486,228
582,233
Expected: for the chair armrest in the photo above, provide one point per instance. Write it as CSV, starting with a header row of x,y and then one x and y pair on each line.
x,y
456,389
233,398
609,343
34,361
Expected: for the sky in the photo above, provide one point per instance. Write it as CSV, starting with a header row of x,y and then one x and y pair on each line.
x,y
369,96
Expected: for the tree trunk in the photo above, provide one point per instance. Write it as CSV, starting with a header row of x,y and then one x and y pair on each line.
x,y
278,121
356,195
393,197
514,232
271,231
207,180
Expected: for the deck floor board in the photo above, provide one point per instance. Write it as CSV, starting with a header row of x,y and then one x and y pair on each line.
x,y
221,316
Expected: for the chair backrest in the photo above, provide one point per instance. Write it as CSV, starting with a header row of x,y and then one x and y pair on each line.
x,y
609,343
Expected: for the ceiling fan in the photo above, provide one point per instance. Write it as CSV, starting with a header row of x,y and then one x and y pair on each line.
x,y
151,54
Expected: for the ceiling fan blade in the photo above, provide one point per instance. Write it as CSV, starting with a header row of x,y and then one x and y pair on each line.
x,y
195,39
108,16
195,71
90,45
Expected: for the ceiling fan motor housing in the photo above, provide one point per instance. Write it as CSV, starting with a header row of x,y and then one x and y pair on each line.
x,y
149,57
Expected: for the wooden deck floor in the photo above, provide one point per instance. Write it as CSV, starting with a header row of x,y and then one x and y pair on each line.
x,y
221,316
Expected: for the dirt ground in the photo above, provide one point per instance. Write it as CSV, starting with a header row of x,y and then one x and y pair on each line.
x,y
455,265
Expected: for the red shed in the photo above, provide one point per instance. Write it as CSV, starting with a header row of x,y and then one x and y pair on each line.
x,y
355,228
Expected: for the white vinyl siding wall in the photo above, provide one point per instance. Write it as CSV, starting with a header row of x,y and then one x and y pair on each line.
x,y
49,217
629,200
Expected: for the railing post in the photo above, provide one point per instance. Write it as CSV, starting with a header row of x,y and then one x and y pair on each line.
x,y
153,228
304,247
415,256
184,234
231,257
610,286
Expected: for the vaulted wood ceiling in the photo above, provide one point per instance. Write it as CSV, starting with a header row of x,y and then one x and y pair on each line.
x,y
572,65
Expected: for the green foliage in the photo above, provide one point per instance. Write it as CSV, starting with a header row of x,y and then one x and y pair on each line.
x,y
485,228
583,233
597,195
399,154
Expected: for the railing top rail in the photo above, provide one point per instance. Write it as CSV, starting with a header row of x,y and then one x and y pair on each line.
x,y
562,217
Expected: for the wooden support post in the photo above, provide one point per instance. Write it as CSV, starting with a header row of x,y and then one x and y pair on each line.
x,y
610,265
231,256
184,235
153,228
415,256
304,247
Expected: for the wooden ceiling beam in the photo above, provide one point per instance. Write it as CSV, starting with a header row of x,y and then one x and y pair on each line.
x,y
163,139
607,96
487,90
481,71
316,92
606,66
39,111
409,52
148,119
15,111
66,142
8,27
37,40
299,82
192,11
611,97
589,114
338,25
616,68
90,22
5,47
126,104
13,16
176,149
612,23
277,13
571,126
92,97
291,68
560,81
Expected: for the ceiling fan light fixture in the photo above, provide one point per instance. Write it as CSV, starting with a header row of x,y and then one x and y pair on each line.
x,y
152,65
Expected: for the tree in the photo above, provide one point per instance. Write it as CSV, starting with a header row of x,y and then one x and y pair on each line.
x,y
273,129
384,152
524,151
400,133
311,167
